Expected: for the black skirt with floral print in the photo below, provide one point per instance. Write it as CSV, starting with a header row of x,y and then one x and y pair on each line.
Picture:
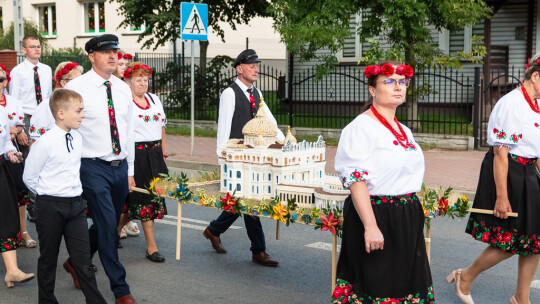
x,y
9,210
149,163
519,235
399,273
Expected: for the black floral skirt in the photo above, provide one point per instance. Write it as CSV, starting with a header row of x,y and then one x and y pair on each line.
x,y
400,272
519,235
10,236
149,164
23,196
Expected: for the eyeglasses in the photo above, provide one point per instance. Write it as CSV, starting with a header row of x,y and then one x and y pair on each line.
x,y
33,47
2,79
392,82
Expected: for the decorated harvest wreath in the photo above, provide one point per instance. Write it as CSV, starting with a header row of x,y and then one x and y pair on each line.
x,y
434,202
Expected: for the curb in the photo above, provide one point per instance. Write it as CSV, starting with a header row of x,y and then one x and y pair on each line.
x,y
192,165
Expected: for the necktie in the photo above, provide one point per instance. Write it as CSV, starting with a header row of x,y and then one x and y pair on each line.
x,y
69,142
252,101
112,121
37,86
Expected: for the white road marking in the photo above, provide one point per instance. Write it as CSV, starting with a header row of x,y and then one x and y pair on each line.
x,y
535,284
323,246
184,225
187,219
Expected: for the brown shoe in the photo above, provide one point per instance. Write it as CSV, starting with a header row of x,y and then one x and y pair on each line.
x,y
264,259
69,269
215,240
127,299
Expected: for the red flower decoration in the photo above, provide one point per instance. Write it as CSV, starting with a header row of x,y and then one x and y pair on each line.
x,y
128,72
485,237
372,70
65,70
387,69
229,203
405,70
527,66
329,223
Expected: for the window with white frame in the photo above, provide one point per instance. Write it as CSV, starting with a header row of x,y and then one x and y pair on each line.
x,y
140,28
452,43
94,17
47,20
352,48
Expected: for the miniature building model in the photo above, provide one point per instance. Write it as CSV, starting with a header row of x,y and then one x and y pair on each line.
x,y
259,167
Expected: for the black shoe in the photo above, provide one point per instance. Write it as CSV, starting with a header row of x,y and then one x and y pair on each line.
x,y
93,267
30,216
119,245
155,257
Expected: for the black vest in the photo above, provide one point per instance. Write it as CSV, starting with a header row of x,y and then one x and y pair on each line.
x,y
242,110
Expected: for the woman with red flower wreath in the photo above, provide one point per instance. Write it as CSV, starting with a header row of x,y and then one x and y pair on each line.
x,y
508,183
10,236
43,120
150,154
123,61
12,111
383,256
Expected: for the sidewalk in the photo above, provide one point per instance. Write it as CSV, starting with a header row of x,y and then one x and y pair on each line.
x,y
458,169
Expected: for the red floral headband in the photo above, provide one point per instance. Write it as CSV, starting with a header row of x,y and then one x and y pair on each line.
x,y
65,70
6,71
125,56
128,72
388,69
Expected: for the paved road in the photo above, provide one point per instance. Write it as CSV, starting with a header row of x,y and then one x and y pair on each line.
x,y
203,276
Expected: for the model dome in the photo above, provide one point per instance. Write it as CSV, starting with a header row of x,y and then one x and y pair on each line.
x,y
259,124
290,137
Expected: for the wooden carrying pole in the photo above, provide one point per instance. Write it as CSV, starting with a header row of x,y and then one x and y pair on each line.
x,y
485,211
334,261
178,230
277,230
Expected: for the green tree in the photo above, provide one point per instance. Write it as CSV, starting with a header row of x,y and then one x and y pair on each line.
x,y
309,26
7,40
162,19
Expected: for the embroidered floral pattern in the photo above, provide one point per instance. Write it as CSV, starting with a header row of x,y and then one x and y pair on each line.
x,y
147,144
37,86
1,129
499,133
112,121
8,244
42,131
515,138
355,176
156,210
522,160
503,239
32,129
24,198
343,294
401,199
11,116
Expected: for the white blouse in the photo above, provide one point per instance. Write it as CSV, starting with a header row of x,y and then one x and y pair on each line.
x,y
514,124
12,111
42,120
369,152
149,123
5,138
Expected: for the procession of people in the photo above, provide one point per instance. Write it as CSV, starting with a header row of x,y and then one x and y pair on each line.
x,y
77,151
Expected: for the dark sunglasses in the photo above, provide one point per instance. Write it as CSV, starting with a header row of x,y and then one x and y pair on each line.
x,y
2,79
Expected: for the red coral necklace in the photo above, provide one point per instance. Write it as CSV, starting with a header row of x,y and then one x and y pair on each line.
x,y
143,108
3,102
533,105
402,138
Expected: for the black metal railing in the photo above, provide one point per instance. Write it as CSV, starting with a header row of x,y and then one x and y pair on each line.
x,y
442,101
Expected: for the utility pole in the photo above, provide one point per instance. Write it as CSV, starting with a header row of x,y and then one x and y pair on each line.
x,y
18,25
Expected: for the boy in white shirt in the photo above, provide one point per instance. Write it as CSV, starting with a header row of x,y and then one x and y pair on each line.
x,y
52,172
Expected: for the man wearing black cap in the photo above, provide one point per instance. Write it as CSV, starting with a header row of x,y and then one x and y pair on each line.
x,y
107,158
238,104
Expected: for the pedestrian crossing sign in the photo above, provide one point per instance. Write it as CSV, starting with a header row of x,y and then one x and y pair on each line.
x,y
194,19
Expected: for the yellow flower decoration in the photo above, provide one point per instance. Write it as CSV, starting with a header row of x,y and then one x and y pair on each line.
x,y
279,213
464,198
153,183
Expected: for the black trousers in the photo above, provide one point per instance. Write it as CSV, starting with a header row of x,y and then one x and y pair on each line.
x,y
57,217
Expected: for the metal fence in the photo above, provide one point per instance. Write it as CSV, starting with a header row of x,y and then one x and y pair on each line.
x,y
438,101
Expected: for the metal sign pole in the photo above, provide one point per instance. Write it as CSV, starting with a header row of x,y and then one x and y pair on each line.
x,y
192,98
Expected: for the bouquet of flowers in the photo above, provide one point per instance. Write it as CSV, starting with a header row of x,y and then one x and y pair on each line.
x,y
442,203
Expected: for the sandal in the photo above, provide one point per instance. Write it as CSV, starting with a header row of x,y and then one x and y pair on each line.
x,y
29,243
132,229
123,234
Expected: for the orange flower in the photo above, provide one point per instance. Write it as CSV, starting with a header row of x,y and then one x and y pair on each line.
x,y
279,213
